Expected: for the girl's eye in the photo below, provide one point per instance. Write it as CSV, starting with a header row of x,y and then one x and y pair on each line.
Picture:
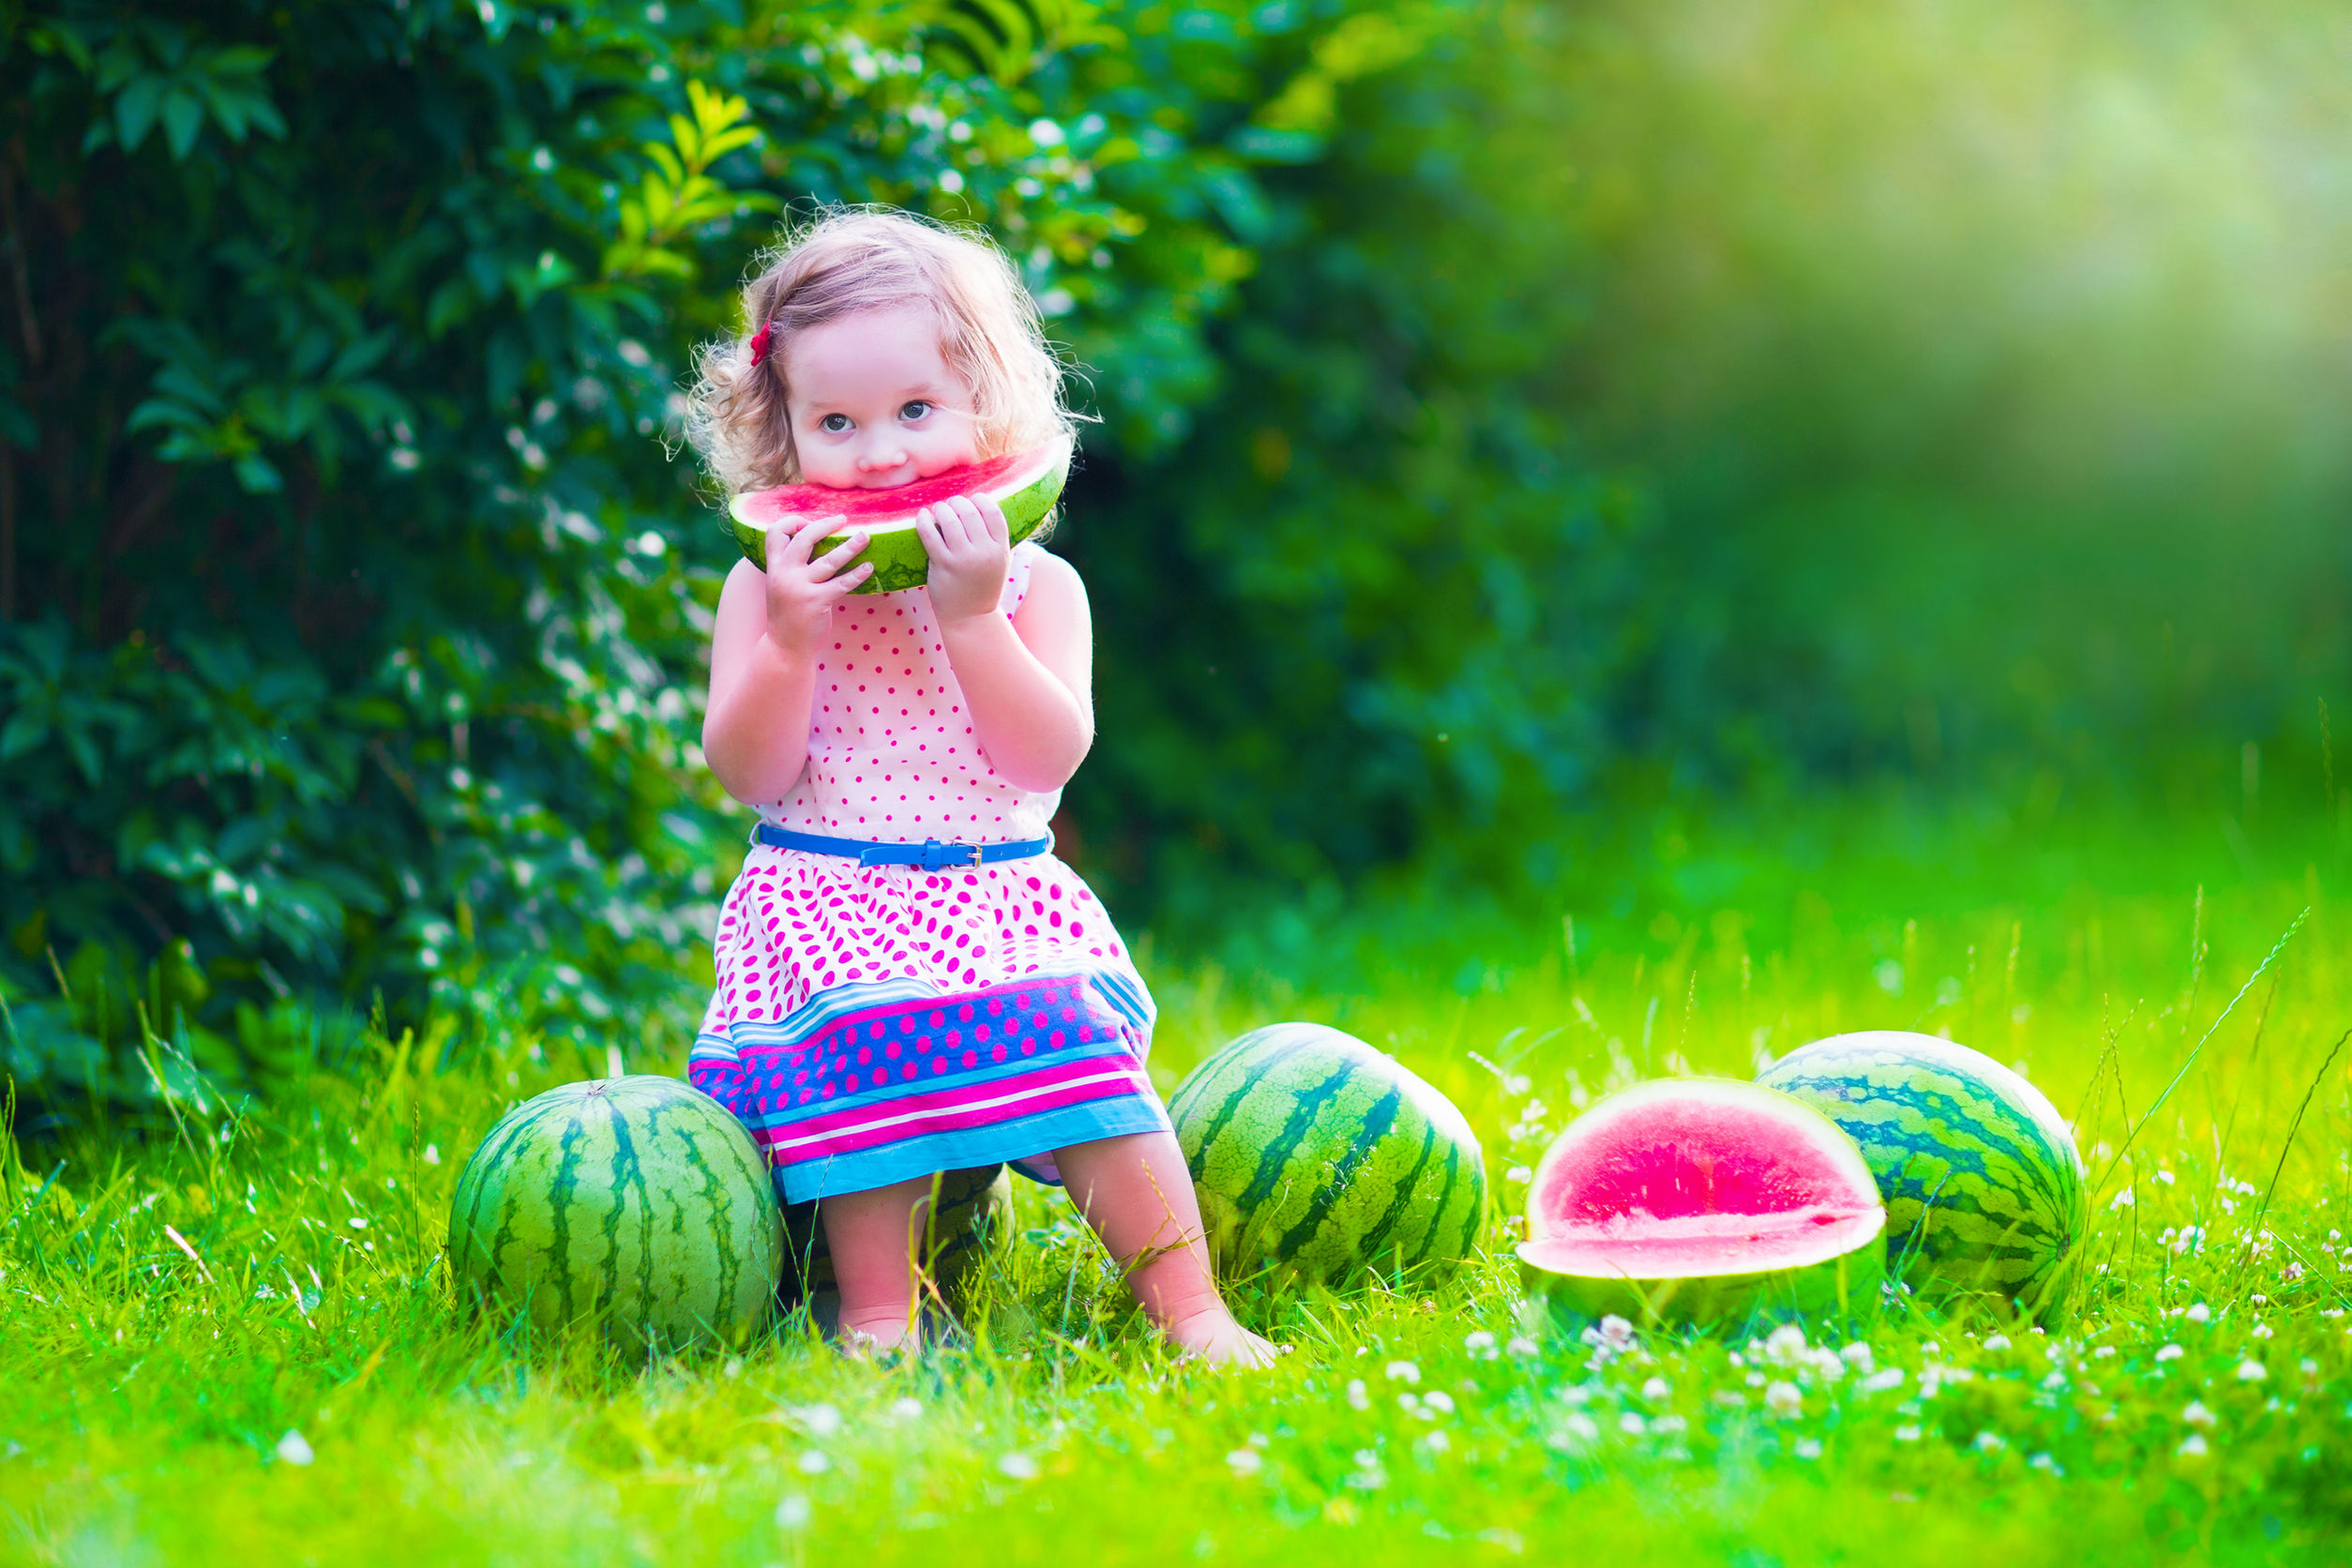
x,y
915,410
834,424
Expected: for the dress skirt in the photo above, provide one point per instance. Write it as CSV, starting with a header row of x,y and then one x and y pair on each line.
x,y
874,1023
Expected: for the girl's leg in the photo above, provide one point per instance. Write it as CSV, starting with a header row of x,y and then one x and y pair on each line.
x,y
871,1236
1136,1194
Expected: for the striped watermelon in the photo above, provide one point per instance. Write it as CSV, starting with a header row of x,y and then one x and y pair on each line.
x,y
1318,1158
972,1217
1983,1185
1704,1203
637,1203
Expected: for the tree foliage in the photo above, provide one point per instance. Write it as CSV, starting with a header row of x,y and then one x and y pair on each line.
x,y
352,584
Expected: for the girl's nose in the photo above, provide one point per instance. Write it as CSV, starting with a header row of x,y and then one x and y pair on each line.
x,y
882,455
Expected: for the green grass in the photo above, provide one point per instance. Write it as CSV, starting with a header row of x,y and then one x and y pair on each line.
x,y
181,1301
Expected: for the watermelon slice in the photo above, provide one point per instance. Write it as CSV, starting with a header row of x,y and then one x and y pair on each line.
x,y
1707,1203
1025,484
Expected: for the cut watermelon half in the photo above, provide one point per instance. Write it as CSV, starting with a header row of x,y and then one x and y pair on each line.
x,y
1025,485
1704,1203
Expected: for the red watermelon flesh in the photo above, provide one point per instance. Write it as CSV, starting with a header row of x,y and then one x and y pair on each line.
x,y
1692,1178
795,505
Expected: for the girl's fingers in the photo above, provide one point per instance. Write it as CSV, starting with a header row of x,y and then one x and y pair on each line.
x,y
992,523
935,527
831,563
811,534
969,523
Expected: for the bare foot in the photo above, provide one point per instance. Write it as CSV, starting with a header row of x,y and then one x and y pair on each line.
x,y
871,1338
1212,1336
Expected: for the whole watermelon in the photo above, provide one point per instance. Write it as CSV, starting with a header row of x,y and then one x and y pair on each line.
x,y
1317,1157
636,1202
1983,1185
972,1217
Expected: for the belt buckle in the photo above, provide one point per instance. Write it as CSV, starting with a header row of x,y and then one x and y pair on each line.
x,y
935,856
975,862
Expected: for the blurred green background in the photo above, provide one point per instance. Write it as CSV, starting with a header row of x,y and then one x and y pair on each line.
x,y
1611,461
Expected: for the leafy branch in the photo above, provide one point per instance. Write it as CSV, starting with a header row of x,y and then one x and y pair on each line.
x,y
678,195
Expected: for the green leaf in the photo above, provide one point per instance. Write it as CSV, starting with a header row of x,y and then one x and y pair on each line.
x,y
183,118
258,475
135,110
27,729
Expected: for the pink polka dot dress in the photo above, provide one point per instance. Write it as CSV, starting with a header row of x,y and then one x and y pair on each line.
x,y
873,1023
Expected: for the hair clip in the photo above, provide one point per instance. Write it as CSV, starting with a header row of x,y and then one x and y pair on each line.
x,y
759,342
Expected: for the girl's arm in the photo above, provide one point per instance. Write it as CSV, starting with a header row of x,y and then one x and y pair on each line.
x,y
1029,681
763,659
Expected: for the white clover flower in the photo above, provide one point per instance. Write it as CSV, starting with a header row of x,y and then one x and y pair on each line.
x,y
815,1462
1403,1372
1438,1400
1581,1426
1784,1343
793,1513
1657,1388
1357,1398
1858,1356
1997,1342
906,1409
1785,1399
1826,1363
1519,1173
1520,1346
1020,1467
295,1449
1883,1379
1480,1343
1435,1442
2191,1446
2044,1463
2199,1312
1244,1461
2261,1331
822,1421
2168,1352
2196,1414
1616,1332
2252,1371
1808,1448
1906,1434
1631,1425
1990,1442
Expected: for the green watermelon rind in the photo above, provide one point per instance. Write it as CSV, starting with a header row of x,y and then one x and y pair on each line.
x,y
638,1204
1317,1159
896,555
1835,1293
1985,1189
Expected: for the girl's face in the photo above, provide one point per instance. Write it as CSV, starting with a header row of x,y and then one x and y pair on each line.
x,y
873,403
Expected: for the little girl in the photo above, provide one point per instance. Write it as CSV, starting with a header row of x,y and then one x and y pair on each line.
x,y
881,1013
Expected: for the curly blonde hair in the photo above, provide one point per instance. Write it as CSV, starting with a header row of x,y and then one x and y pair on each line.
x,y
850,260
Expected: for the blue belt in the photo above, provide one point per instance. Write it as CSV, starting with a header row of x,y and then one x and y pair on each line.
x,y
931,854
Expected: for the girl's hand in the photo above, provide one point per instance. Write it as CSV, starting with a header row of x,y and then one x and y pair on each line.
x,y
971,551
802,592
